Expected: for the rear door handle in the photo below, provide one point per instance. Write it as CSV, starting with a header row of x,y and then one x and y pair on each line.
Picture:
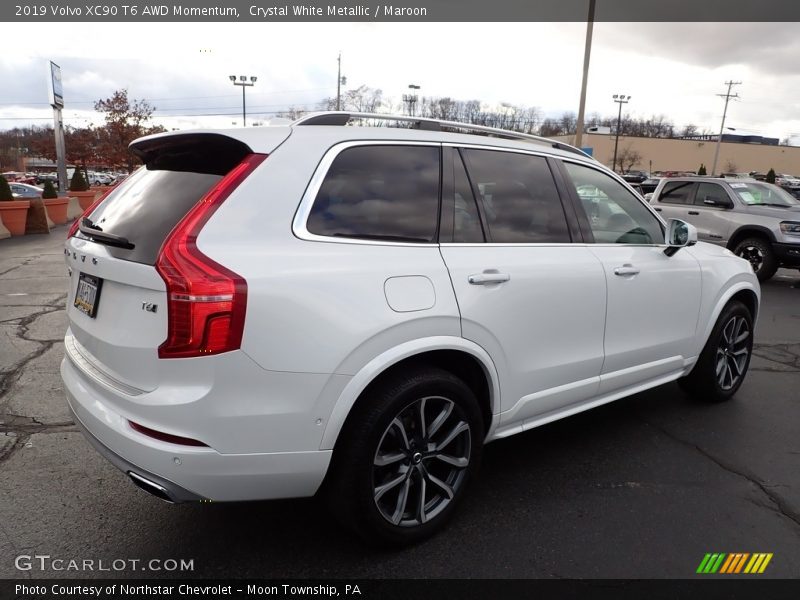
x,y
693,212
626,271
658,209
484,278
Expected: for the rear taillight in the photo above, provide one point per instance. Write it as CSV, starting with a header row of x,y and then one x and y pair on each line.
x,y
205,301
73,229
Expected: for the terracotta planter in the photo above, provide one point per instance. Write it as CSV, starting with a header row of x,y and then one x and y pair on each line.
x,y
85,198
57,209
14,214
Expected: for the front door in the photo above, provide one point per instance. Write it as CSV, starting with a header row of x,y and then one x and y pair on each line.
x,y
653,299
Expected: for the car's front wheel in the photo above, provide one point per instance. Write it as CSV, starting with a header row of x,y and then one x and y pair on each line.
x,y
761,256
723,363
405,457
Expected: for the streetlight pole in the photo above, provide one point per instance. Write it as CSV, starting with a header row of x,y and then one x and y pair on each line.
x,y
619,99
244,84
411,99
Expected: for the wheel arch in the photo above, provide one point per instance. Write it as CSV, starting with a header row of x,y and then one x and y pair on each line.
x,y
742,291
746,231
463,358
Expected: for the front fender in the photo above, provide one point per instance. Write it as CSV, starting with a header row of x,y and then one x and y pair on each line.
x,y
380,363
743,282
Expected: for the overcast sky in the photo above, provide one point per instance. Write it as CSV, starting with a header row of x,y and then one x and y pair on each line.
x,y
183,68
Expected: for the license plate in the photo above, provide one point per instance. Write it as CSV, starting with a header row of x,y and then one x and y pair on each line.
x,y
88,294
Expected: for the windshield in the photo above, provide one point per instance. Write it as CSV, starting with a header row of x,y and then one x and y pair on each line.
x,y
763,194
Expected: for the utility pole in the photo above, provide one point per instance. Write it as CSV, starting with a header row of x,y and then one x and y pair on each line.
x,y
586,54
727,97
619,99
339,83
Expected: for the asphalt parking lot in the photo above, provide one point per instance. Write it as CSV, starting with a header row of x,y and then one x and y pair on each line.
x,y
640,488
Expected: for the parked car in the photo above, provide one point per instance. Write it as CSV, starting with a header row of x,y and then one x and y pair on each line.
x,y
635,176
24,190
41,178
100,179
355,311
756,220
650,184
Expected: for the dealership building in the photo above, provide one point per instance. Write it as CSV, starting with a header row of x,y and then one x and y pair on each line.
x,y
736,154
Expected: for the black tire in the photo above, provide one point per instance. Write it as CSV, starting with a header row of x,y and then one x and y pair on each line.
x,y
760,254
364,494
722,365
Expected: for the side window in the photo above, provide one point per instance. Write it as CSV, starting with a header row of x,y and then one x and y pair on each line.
x,y
518,197
711,192
380,193
616,216
677,192
466,220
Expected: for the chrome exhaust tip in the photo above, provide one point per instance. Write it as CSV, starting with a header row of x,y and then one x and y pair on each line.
x,y
150,487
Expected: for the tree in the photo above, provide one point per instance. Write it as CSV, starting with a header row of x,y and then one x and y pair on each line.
x,y
689,131
49,190
82,146
125,120
771,176
78,183
702,170
5,190
627,158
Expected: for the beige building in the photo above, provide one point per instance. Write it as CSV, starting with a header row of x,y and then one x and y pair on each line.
x,y
659,154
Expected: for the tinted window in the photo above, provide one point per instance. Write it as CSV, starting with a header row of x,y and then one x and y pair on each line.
x,y
379,192
466,221
616,216
518,197
677,192
147,206
709,191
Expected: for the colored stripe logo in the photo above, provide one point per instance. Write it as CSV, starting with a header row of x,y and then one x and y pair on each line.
x,y
733,563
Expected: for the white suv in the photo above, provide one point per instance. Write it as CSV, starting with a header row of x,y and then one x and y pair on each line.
x,y
272,312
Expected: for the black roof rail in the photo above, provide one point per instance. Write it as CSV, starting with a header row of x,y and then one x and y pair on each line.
x,y
341,118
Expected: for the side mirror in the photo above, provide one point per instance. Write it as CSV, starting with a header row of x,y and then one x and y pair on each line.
x,y
717,201
679,234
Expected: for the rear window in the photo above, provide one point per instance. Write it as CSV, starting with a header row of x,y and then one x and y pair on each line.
x,y
381,192
178,172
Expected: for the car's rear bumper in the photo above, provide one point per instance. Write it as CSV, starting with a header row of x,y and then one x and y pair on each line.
x,y
788,255
188,473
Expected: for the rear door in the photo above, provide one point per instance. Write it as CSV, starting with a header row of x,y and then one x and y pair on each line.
x,y
675,200
531,297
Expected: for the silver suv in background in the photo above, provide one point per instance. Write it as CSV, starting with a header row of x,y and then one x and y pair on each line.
x,y
757,221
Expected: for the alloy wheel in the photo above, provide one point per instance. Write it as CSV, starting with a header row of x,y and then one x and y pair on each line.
x,y
421,461
732,353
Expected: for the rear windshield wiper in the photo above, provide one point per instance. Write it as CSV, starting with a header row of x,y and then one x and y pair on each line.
x,y
96,233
